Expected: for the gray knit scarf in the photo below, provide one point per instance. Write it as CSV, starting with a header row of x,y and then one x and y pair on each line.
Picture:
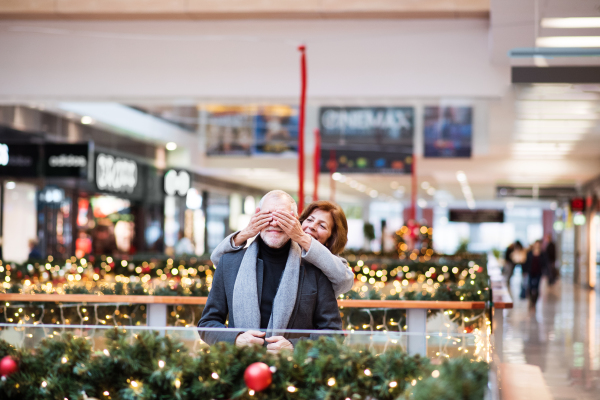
x,y
246,310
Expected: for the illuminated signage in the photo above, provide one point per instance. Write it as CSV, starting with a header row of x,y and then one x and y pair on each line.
x,y
116,174
67,160
19,160
3,155
177,182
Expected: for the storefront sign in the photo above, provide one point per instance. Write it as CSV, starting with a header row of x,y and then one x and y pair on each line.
x,y
116,174
66,160
3,155
19,160
177,182
370,125
476,216
366,139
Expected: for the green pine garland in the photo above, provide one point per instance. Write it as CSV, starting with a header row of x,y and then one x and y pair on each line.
x,y
130,368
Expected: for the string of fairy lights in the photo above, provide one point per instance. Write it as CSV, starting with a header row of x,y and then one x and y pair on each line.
x,y
383,279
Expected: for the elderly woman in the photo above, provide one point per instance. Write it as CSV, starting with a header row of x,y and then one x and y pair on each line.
x,y
321,231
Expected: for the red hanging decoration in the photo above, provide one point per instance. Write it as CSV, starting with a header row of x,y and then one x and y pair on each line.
x,y
258,376
302,110
8,366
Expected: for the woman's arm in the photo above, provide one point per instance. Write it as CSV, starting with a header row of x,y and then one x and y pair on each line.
x,y
335,268
228,245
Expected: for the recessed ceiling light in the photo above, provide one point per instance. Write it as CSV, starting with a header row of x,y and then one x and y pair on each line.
x,y
568,41
87,120
171,146
461,176
573,22
336,176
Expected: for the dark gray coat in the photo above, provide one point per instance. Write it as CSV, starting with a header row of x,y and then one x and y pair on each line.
x,y
316,306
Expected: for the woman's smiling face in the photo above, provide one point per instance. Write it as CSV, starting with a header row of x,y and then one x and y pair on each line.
x,y
319,225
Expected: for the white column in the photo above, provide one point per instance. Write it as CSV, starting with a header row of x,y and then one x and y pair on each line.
x,y
416,323
156,316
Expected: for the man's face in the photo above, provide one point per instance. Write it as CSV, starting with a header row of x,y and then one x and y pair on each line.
x,y
273,235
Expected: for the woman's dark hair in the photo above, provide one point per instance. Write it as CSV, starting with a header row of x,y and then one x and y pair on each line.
x,y
339,231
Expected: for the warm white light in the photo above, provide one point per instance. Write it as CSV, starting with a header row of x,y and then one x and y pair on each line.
x,y
579,219
422,203
568,41
435,373
291,389
171,146
425,185
393,384
367,372
134,384
461,176
161,364
431,191
215,375
336,176
10,185
373,193
573,22
331,382
86,120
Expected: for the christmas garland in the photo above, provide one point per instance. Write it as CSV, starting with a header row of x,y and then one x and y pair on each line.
x,y
149,366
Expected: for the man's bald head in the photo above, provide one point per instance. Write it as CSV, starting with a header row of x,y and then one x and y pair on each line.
x,y
279,195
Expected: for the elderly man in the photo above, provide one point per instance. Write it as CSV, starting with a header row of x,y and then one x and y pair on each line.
x,y
267,286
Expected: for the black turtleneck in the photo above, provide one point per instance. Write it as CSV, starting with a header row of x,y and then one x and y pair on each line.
x,y
274,261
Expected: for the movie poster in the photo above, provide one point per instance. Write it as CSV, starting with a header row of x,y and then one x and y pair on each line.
x,y
448,131
251,130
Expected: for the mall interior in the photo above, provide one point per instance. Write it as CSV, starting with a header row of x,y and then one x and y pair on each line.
x,y
450,148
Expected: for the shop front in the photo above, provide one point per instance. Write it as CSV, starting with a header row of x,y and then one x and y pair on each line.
x,y
88,201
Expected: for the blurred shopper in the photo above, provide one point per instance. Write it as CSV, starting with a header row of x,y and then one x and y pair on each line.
x,y
515,255
321,231
184,245
509,265
34,250
535,266
550,250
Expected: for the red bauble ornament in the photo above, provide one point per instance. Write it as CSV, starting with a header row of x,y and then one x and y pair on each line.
x,y
8,366
258,376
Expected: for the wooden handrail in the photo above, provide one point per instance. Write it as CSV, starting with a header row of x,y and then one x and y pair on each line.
x,y
94,298
413,304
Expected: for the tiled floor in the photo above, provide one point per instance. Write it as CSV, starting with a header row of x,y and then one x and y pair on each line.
x,y
562,337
